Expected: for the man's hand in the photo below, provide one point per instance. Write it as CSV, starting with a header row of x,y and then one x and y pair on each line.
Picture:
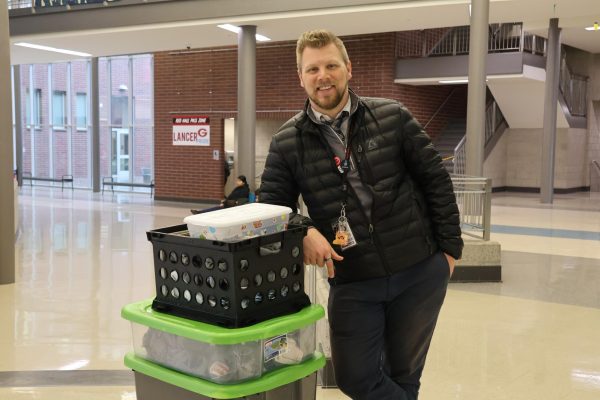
x,y
451,263
318,251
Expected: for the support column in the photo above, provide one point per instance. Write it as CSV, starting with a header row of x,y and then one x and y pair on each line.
x,y
7,211
18,123
95,114
550,106
478,50
245,127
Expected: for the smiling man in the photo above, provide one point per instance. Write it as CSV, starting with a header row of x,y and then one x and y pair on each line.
x,y
383,221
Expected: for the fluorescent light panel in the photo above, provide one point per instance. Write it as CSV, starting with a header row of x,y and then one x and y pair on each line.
x,y
54,49
237,29
454,81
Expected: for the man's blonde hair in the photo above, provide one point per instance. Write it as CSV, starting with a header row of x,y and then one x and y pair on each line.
x,y
316,39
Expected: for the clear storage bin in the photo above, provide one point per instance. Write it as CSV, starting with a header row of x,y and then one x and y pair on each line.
x,y
238,223
220,355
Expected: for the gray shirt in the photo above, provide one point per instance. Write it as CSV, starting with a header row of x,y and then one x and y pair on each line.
x,y
337,142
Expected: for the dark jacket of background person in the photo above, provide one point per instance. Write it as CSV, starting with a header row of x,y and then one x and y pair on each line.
x,y
414,211
240,192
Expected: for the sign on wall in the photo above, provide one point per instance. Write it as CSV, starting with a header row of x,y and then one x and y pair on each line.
x,y
191,130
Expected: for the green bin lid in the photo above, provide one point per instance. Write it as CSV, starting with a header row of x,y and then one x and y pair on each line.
x,y
142,313
268,381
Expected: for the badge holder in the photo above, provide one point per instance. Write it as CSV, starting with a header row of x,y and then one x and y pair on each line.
x,y
343,234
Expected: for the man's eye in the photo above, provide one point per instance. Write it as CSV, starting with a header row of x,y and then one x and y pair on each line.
x,y
332,66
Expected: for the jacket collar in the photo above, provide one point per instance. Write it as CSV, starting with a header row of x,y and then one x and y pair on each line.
x,y
305,124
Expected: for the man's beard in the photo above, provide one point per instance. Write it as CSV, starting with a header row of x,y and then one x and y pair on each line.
x,y
329,103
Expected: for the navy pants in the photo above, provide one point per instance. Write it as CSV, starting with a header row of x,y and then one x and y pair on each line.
x,y
381,330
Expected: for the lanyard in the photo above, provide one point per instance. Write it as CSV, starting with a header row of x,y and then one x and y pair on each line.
x,y
345,164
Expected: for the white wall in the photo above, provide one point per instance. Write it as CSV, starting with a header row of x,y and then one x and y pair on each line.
x,y
265,129
571,158
524,157
494,165
517,158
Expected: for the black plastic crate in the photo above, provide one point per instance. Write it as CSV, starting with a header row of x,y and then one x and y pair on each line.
x,y
228,284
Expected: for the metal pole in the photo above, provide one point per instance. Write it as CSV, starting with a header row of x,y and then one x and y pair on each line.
x,y
487,209
18,123
245,128
7,211
95,114
550,106
477,87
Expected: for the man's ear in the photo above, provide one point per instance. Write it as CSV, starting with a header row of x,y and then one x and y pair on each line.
x,y
300,77
349,68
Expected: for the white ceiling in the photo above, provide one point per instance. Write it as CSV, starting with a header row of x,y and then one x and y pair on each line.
x,y
574,16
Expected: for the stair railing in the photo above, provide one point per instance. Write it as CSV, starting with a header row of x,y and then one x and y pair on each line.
x,y
494,121
439,108
506,37
574,89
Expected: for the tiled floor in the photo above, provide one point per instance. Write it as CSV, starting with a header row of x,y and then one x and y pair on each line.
x,y
82,256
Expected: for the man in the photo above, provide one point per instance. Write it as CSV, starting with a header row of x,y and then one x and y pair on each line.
x,y
383,220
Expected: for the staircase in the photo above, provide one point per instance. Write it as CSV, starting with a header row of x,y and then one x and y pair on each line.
x,y
448,140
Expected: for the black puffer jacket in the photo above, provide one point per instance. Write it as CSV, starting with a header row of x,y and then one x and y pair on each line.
x,y
414,212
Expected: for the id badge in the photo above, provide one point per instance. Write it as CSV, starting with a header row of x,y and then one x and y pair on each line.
x,y
343,234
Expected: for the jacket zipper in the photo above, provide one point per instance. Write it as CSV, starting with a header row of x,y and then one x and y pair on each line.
x,y
373,236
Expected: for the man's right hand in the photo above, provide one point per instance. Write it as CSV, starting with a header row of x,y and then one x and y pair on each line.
x,y
318,251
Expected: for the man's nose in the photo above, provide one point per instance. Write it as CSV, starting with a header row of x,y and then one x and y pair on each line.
x,y
322,74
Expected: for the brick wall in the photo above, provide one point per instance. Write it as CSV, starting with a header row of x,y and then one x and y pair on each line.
x,y
206,81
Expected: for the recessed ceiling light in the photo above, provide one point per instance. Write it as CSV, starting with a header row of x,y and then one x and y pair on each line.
x,y
450,81
54,49
237,29
594,27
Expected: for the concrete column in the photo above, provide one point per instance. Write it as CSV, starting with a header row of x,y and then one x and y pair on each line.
x,y
18,123
95,114
245,127
550,106
478,50
7,211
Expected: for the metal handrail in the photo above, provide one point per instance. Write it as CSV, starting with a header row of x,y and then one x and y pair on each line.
x,y
494,119
460,157
474,200
440,108
506,37
574,89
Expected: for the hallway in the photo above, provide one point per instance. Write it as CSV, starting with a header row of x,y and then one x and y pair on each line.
x,y
82,256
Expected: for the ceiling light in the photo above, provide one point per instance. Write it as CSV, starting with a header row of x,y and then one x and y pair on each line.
x,y
237,29
54,49
454,81
594,27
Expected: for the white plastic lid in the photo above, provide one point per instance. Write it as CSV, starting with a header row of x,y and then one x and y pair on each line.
x,y
237,215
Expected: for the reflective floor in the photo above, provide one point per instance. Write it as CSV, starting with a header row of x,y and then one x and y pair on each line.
x,y
82,256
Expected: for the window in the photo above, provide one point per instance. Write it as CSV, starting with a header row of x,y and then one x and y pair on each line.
x,y
81,111
59,109
37,108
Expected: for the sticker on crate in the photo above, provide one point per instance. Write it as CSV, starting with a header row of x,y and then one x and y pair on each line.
x,y
275,347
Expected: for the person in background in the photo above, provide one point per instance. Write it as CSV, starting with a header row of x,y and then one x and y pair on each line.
x,y
239,195
383,220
